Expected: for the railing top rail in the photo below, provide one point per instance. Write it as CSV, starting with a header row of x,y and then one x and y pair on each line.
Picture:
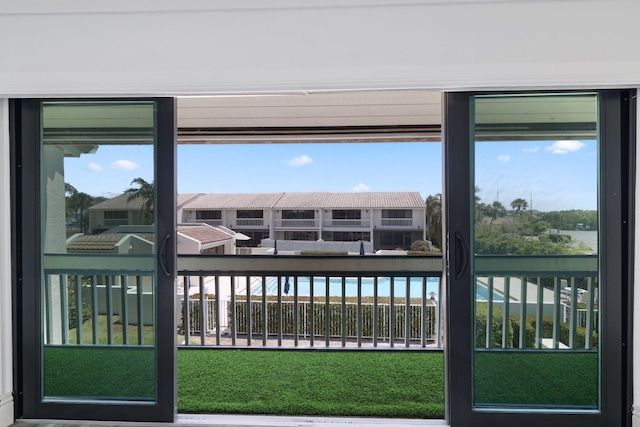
x,y
99,263
536,265
321,265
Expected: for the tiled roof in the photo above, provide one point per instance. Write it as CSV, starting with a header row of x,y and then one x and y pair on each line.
x,y
120,203
104,242
203,233
302,200
234,201
185,198
384,200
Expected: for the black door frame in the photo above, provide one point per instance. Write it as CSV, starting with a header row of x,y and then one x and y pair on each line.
x,y
616,133
25,123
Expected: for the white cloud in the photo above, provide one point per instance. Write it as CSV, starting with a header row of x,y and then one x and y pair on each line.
x,y
504,158
127,165
300,161
532,149
564,147
94,167
360,188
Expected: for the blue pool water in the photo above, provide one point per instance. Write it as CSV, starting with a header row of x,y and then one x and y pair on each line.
x,y
351,287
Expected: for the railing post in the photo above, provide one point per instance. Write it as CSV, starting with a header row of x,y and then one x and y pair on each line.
x,y
217,306
249,318
359,316
327,311
79,319
407,313
505,317
343,310
523,312
375,311
312,332
296,314
140,312
392,313
556,313
204,311
233,327
124,308
589,321
489,331
109,303
279,313
186,310
539,313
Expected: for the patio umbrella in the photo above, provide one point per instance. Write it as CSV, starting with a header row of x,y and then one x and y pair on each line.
x,y
361,247
287,286
275,247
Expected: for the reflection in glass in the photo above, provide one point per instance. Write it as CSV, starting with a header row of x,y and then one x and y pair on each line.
x,y
98,241
536,251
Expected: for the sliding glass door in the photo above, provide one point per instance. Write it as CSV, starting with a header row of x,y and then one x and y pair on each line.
x,y
98,285
538,252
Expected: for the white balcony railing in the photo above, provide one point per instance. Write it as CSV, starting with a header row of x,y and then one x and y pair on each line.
x,y
296,223
249,222
394,222
346,223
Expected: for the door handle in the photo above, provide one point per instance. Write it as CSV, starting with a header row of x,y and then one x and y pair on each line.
x,y
162,255
462,255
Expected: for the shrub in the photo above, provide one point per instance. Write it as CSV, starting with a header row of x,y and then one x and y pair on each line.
x,y
547,332
496,327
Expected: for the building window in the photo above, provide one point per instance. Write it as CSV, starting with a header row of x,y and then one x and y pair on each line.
x,y
346,236
347,214
397,213
250,214
298,214
117,215
301,235
208,214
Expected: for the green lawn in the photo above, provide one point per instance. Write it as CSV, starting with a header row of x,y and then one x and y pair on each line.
x,y
340,383
403,384
564,378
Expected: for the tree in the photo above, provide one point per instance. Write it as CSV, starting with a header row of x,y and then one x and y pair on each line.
x,y
519,205
494,211
434,219
146,192
77,204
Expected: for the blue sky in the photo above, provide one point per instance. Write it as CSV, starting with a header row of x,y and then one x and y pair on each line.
x,y
553,174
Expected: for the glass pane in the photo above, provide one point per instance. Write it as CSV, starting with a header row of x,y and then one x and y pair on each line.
x,y
98,286
535,240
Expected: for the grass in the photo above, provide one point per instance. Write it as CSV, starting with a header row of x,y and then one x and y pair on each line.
x,y
100,372
365,384
549,378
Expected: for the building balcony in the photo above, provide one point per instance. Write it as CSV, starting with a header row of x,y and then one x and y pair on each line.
x,y
396,223
249,222
349,224
296,224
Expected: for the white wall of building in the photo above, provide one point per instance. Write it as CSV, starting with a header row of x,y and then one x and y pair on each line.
x,y
162,47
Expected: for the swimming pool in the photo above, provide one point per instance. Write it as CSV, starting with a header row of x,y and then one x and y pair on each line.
x,y
351,287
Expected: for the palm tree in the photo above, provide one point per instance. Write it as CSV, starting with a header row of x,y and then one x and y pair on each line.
x,y
519,205
434,219
77,204
146,192
494,211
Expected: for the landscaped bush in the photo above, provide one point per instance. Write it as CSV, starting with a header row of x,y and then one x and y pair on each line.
x,y
496,327
335,319
324,253
547,332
